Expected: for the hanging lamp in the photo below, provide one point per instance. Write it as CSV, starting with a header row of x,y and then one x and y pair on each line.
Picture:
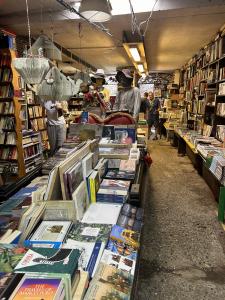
x,y
49,49
96,10
32,69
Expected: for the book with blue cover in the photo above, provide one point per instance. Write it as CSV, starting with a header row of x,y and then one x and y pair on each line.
x,y
125,236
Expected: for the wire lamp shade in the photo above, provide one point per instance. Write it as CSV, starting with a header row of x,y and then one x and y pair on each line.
x,y
96,10
48,47
31,69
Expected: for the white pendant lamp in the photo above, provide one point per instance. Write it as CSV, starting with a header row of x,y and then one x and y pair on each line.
x,y
96,10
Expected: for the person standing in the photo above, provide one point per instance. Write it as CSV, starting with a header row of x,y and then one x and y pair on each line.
x,y
56,124
128,97
145,105
153,116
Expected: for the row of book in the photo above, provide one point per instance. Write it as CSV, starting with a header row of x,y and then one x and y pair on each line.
x,y
35,111
8,138
7,123
6,108
8,153
31,151
6,91
5,60
37,124
5,75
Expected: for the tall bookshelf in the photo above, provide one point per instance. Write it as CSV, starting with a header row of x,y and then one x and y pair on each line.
x,y
11,150
37,118
201,79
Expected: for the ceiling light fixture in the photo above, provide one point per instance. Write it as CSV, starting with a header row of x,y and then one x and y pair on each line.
x,y
140,68
135,54
96,10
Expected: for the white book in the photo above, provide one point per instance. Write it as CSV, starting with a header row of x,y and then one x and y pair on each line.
x,y
106,191
52,231
80,200
87,165
102,213
10,238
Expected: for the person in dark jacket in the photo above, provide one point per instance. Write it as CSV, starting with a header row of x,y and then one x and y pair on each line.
x,y
144,105
153,116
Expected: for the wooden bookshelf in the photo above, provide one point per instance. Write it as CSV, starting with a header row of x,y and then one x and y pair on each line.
x,y
201,78
10,121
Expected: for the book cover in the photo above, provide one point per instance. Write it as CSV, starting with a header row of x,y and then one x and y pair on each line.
x,y
119,261
75,177
87,165
125,236
115,184
38,288
120,175
10,255
108,132
122,249
80,200
91,233
125,135
110,282
101,213
51,231
128,165
48,260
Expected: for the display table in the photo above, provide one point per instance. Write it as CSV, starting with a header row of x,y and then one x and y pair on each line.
x,y
202,165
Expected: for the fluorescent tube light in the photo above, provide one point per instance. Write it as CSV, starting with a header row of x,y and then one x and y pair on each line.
x,y
140,68
135,54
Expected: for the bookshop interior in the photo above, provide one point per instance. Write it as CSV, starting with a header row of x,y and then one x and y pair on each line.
x,y
112,149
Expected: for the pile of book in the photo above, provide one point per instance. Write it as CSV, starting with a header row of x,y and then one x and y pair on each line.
x,y
82,247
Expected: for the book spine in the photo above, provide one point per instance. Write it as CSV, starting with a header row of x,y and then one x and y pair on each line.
x,y
92,190
94,256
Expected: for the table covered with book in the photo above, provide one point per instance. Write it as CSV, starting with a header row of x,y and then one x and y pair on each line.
x,y
74,233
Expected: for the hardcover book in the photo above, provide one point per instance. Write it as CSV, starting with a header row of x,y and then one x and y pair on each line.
x,y
75,177
94,185
125,236
101,213
119,261
10,255
120,175
80,200
110,283
128,165
51,231
87,165
37,288
8,282
122,249
84,232
47,260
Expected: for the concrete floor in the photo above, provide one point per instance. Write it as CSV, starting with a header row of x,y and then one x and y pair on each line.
x,y
182,255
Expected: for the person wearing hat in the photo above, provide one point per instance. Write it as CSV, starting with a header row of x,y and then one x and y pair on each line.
x,y
128,98
102,94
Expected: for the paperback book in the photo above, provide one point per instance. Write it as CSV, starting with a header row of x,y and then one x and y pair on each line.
x,y
47,260
80,200
110,283
10,256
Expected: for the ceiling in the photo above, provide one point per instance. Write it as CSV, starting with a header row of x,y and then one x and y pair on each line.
x,y
176,31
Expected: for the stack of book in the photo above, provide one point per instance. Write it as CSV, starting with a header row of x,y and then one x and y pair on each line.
x,y
217,167
115,191
131,217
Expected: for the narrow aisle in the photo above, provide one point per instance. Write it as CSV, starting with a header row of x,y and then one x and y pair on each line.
x,y
183,244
